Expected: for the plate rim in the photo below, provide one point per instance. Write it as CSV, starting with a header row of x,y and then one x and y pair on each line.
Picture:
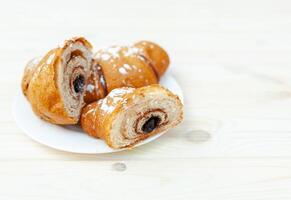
x,y
19,124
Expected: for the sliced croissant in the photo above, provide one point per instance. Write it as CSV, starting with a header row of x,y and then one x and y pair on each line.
x,y
54,85
127,115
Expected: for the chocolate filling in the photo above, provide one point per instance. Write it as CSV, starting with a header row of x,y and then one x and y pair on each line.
x,y
79,83
151,124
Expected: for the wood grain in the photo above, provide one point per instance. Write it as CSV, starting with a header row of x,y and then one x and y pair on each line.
x,y
232,59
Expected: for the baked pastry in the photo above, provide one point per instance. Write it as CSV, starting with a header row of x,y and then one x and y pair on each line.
x,y
54,85
28,72
125,66
127,115
156,54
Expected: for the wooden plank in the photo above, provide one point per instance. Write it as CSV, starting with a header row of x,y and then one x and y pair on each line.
x,y
232,59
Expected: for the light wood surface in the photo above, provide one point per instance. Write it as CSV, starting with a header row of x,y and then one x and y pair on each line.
x,y
233,61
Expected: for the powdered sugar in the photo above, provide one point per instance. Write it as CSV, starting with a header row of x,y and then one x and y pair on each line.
x,y
108,54
131,51
122,70
127,66
114,51
90,88
114,98
125,69
105,56
50,59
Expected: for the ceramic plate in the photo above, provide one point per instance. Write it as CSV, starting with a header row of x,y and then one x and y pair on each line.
x,y
71,138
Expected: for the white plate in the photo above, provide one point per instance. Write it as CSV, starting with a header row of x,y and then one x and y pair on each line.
x,y
71,138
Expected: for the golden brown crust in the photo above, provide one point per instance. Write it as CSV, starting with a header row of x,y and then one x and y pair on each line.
x,y
129,66
43,92
125,69
156,54
97,121
96,86
89,117
28,73
76,39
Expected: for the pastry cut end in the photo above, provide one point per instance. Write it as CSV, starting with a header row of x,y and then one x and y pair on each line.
x,y
55,84
124,119
75,63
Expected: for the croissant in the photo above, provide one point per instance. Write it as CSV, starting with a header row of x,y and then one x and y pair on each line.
x,y
127,116
125,66
54,85
28,73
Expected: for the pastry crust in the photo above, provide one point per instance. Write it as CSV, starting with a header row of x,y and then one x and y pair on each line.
x,y
46,85
28,73
156,54
96,87
135,66
120,118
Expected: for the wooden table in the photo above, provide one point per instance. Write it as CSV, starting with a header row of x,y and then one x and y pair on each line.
x,y
233,61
